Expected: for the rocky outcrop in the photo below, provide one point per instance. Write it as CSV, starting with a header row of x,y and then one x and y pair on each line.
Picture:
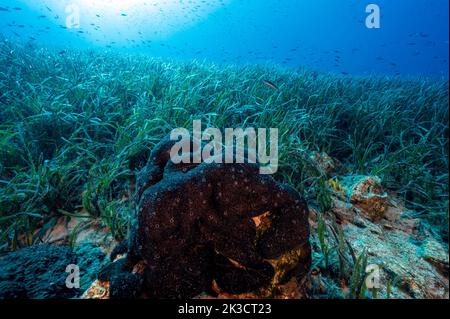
x,y
39,272
200,224
406,252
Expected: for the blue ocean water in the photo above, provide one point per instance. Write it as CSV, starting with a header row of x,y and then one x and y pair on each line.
x,y
331,35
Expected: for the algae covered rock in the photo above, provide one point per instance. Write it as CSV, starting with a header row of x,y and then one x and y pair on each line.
x,y
324,163
419,268
366,193
39,271
412,262
196,226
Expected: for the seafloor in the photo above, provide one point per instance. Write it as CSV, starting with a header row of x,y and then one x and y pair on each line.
x,y
368,154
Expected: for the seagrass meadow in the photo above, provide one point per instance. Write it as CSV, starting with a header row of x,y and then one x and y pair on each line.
x,y
76,126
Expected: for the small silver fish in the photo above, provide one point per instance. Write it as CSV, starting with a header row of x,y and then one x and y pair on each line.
x,y
270,84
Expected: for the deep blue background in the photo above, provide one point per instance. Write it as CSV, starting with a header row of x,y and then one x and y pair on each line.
x,y
324,34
